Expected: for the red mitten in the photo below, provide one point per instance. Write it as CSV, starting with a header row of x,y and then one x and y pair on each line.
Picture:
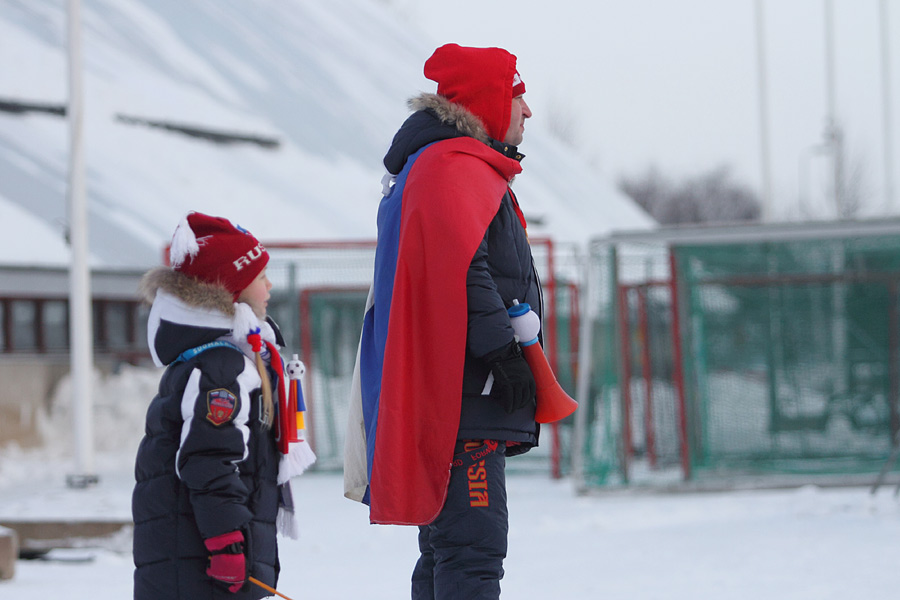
x,y
226,561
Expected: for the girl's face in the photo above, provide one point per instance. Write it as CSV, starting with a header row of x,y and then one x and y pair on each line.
x,y
257,294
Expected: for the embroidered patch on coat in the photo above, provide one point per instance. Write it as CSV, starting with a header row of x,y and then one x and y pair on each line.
x,y
221,405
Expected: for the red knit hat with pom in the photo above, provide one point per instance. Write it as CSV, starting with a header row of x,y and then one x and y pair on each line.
x,y
483,80
213,250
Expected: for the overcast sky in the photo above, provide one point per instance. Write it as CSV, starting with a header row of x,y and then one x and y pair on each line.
x,y
673,83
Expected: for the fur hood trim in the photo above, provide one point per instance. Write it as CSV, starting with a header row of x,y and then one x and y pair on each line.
x,y
190,291
452,114
184,301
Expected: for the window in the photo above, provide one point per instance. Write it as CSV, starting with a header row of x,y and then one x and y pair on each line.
x,y
3,326
98,310
42,325
24,326
140,338
56,325
119,325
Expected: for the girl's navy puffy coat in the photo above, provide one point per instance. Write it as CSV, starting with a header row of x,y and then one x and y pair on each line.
x,y
201,473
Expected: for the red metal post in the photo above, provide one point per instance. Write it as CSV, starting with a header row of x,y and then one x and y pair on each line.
x,y
550,345
574,329
553,355
647,372
625,383
550,332
306,346
678,370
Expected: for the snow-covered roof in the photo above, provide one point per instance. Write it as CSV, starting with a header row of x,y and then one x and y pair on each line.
x,y
328,80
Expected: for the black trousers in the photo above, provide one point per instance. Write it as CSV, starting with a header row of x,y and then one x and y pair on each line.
x,y
462,551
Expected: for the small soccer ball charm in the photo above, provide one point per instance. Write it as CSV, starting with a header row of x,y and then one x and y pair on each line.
x,y
295,368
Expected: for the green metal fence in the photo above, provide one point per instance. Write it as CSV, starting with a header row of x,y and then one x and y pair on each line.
x,y
742,351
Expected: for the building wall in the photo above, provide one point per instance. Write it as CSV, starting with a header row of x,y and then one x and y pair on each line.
x,y
28,384
31,375
26,396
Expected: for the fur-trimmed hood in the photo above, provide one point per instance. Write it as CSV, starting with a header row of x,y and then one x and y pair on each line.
x,y
192,292
434,118
452,114
186,313
484,80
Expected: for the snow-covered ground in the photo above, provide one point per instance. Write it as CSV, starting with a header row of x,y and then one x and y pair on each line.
x,y
806,543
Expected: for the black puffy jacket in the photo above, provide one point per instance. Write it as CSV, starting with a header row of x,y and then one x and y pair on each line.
x,y
200,474
501,271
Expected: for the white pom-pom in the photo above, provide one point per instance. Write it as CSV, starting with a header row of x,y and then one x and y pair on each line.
x,y
184,244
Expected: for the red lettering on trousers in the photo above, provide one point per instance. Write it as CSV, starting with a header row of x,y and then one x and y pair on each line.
x,y
477,476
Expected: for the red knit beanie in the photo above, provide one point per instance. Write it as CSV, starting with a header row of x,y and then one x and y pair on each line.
x,y
213,250
484,80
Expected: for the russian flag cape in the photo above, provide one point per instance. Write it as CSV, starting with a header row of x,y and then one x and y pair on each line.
x,y
407,388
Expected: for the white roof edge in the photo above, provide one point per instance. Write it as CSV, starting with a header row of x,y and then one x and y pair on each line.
x,y
752,232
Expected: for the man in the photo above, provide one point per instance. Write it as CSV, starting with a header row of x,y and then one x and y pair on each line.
x,y
442,393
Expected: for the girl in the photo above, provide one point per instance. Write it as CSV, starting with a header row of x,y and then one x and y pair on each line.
x,y
213,470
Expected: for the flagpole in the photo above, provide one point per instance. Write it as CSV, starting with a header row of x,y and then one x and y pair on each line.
x,y
80,343
833,132
768,208
887,123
